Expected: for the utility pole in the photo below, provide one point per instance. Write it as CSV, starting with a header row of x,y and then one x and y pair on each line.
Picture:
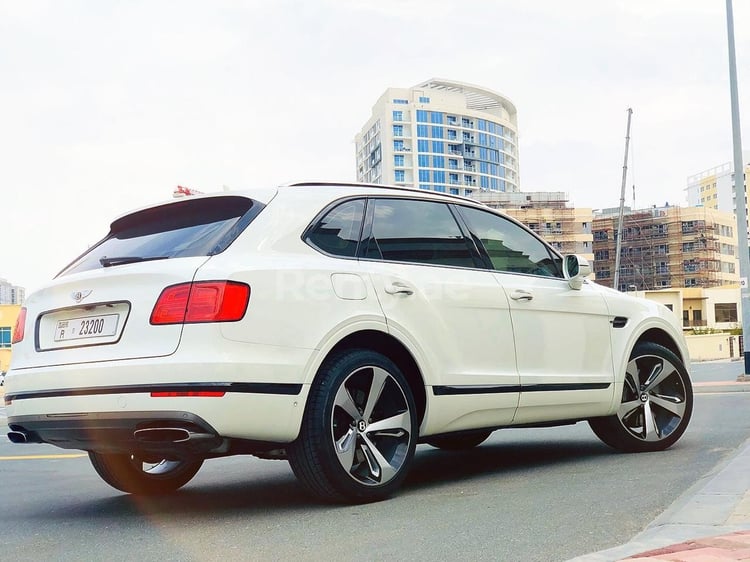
x,y
618,246
740,193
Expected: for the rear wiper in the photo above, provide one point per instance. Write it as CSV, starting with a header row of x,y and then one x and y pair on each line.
x,y
108,262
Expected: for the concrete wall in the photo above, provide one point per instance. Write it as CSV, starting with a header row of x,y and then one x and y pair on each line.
x,y
713,346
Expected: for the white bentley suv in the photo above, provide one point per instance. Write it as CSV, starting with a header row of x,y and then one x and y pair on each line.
x,y
336,326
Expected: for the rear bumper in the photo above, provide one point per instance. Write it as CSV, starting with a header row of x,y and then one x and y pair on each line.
x,y
173,435
258,396
242,411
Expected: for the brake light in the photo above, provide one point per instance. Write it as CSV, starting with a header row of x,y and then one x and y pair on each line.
x,y
189,393
20,330
202,301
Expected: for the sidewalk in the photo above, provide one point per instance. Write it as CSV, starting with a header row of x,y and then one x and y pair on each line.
x,y
711,521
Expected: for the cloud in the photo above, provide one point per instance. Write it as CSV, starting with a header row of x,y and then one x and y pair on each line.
x,y
109,105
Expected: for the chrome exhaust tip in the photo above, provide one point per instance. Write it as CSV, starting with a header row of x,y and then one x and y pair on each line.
x,y
18,437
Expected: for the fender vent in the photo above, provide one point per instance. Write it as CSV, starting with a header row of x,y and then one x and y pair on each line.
x,y
619,322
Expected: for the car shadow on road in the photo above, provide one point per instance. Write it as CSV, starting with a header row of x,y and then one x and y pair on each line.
x,y
433,466
278,491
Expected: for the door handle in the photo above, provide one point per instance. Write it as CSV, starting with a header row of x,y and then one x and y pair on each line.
x,y
398,288
521,295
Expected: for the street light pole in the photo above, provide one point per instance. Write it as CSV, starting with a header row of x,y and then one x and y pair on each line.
x,y
740,193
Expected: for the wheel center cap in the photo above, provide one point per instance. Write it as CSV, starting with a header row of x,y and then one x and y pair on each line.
x,y
643,397
361,426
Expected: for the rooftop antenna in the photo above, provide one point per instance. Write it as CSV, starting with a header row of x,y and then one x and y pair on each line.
x,y
622,204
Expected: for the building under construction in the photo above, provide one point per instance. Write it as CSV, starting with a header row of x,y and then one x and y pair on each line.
x,y
567,229
666,247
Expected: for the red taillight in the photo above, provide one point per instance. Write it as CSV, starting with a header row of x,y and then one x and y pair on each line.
x,y
170,308
20,330
198,393
202,301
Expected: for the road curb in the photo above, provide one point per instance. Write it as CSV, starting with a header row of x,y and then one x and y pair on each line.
x,y
728,386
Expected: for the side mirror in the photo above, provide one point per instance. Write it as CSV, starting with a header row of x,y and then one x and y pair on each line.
x,y
576,268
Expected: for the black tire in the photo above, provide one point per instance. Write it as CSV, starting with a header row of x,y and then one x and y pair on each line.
x,y
129,474
656,403
459,442
357,438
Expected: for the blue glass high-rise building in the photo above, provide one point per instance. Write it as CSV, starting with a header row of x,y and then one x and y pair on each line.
x,y
441,136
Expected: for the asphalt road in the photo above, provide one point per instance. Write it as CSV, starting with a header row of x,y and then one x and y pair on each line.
x,y
526,494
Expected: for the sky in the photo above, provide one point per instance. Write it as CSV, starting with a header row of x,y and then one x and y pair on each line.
x,y
108,105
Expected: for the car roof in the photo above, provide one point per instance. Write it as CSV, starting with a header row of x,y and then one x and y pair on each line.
x,y
376,187
266,194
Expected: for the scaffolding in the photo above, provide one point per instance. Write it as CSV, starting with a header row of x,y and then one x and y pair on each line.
x,y
661,248
561,226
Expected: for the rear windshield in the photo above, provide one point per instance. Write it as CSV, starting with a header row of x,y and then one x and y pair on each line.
x,y
193,227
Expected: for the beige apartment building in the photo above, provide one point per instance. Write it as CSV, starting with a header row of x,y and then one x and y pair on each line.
x,y
667,247
547,213
714,188
8,316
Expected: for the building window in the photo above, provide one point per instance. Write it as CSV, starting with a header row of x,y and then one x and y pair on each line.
x,y
398,160
423,145
398,145
437,132
422,131
398,130
423,160
400,101
725,312
5,337
421,116
436,117
398,115
424,99
424,175
399,175
438,147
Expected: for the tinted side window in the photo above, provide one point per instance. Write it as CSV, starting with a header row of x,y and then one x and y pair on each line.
x,y
417,231
510,247
338,231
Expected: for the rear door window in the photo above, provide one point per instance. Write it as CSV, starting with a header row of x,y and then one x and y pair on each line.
x,y
193,227
407,230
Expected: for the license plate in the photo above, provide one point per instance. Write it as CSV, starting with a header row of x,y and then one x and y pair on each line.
x,y
87,327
